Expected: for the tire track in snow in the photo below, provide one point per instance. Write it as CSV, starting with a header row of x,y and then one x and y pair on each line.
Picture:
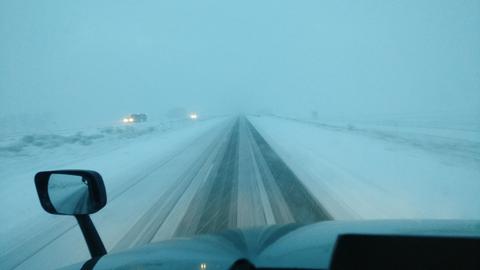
x,y
149,224
303,207
228,187
227,198
213,208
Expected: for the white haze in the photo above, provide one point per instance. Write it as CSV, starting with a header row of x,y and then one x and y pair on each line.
x,y
83,62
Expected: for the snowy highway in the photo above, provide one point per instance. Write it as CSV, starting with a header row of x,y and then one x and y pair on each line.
x,y
226,177
236,182
235,172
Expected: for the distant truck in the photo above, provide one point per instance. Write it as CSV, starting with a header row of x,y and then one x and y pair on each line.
x,y
135,118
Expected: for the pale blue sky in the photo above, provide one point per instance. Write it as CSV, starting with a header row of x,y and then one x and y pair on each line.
x,y
114,57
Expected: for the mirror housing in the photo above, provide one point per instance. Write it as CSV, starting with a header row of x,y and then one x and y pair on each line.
x,y
77,193
93,196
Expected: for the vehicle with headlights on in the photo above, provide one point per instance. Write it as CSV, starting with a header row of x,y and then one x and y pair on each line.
x,y
135,118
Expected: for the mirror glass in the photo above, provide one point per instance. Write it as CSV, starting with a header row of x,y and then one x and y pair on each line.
x,y
70,194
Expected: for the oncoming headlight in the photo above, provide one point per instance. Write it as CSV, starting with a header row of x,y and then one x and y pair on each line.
x,y
193,116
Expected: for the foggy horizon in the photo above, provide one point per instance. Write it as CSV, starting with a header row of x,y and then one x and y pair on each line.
x,y
102,60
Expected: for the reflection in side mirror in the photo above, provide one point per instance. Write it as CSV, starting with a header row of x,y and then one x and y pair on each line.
x,y
78,193
70,194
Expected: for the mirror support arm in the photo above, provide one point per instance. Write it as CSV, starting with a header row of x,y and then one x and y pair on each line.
x,y
94,243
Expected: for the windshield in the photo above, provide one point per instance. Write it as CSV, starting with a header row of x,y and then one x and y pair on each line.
x,y
203,116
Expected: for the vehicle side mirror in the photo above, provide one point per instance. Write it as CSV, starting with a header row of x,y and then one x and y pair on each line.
x,y
71,192
77,193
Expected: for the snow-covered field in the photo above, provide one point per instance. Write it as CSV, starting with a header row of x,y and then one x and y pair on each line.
x,y
380,171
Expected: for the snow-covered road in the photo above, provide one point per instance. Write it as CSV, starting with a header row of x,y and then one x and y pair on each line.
x,y
135,171
224,176
227,186
236,172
